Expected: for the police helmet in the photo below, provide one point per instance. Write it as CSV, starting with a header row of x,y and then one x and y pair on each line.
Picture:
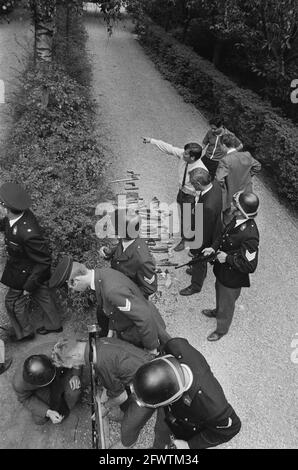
x,y
247,203
160,382
39,370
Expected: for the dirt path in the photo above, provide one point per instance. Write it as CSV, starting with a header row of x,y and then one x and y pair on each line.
x,y
253,361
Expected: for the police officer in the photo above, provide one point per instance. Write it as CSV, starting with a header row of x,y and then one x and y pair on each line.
x,y
46,391
116,363
193,411
130,315
28,266
131,256
237,257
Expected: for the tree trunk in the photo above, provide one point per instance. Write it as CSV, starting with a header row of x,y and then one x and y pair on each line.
x,y
43,15
217,52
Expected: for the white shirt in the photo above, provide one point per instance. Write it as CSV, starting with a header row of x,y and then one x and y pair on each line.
x,y
92,283
126,244
231,150
13,221
178,152
240,221
198,194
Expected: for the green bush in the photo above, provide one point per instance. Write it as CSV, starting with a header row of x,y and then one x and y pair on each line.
x,y
52,150
272,139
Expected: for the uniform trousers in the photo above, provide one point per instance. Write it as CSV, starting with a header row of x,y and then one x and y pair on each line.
x,y
211,165
70,396
225,306
209,436
18,309
135,418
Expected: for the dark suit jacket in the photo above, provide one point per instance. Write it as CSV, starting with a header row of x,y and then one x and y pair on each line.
x,y
29,261
134,318
234,174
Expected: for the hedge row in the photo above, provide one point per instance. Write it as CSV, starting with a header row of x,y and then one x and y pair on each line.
x,y
272,139
53,151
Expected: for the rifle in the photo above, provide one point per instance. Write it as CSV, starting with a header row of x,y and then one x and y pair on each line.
x,y
210,258
98,436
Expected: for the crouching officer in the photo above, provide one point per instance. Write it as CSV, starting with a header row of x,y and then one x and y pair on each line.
x,y
131,255
45,390
192,407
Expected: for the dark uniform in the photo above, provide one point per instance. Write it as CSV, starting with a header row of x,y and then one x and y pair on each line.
x,y
134,318
28,268
116,364
57,396
202,416
137,263
241,245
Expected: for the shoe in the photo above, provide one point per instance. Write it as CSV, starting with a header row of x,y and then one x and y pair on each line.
x,y
44,331
188,271
214,336
209,313
189,291
25,338
5,366
180,246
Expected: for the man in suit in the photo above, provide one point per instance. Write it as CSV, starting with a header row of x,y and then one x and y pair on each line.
x,y
28,265
214,152
234,172
236,257
189,158
131,255
130,315
46,391
209,194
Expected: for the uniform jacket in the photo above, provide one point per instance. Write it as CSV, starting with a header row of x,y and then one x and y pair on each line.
x,y
27,394
212,208
242,245
134,318
204,404
234,174
137,263
116,363
29,261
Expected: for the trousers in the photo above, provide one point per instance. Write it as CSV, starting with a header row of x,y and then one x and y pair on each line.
x,y
18,309
225,306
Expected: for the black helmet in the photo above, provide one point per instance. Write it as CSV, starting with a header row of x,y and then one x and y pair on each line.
x,y
39,370
247,203
160,382
127,223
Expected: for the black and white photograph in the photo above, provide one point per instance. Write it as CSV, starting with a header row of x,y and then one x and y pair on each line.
x,y
149,229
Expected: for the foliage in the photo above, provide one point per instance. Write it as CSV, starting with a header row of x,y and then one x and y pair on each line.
x,y
271,139
52,149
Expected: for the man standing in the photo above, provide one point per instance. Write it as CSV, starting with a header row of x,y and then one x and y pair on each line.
x,y
130,315
191,403
116,363
211,142
28,266
189,158
237,257
235,171
209,194
46,391
131,256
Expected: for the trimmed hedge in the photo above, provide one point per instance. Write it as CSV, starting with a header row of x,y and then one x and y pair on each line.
x,y
272,139
52,149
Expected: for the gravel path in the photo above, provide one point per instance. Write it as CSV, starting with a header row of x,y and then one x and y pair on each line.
x,y
253,362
